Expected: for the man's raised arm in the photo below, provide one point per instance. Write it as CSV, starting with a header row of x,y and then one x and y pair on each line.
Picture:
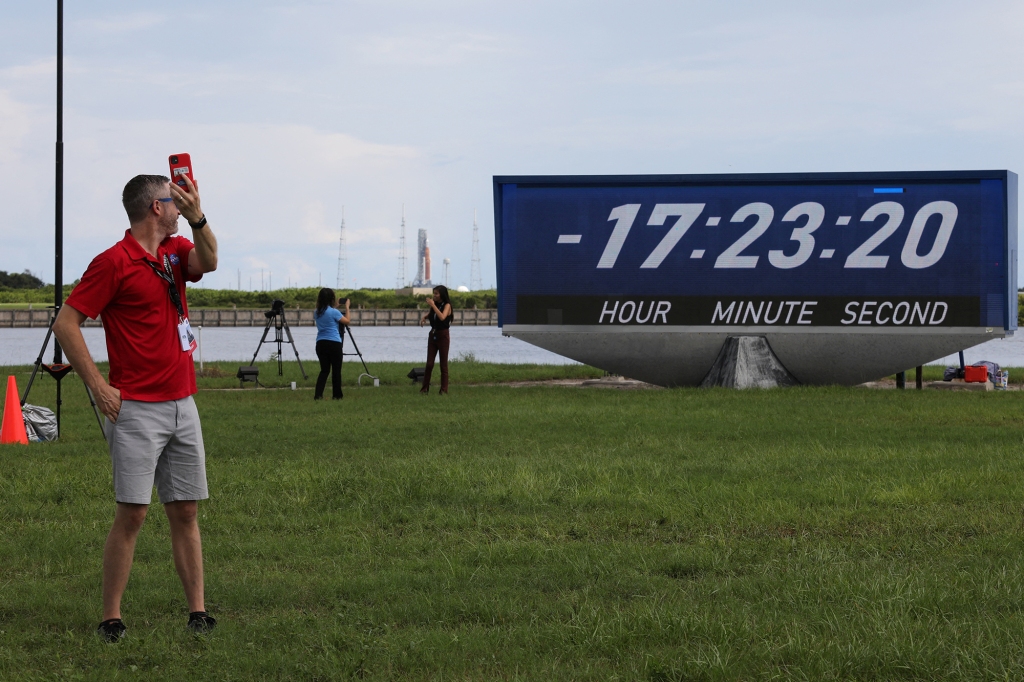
x,y
203,258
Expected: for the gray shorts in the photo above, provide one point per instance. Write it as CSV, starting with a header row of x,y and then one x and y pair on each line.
x,y
161,444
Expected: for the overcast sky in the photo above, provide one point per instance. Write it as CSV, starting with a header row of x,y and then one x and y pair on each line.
x,y
293,110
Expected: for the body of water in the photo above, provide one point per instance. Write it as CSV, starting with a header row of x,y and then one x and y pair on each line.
x,y
378,344
397,344
1008,352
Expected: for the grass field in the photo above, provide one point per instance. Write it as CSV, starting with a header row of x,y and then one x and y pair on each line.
x,y
543,533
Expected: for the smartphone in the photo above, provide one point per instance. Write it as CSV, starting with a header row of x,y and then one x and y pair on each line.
x,y
181,164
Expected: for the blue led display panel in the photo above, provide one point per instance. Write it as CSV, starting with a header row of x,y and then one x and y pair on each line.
x,y
926,249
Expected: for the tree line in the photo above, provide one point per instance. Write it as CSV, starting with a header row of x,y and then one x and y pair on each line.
x,y
302,297
305,297
20,280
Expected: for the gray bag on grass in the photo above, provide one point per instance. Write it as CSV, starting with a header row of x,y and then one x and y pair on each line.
x,y
40,423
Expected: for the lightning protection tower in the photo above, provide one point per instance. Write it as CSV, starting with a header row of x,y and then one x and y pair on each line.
x,y
476,282
401,254
342,255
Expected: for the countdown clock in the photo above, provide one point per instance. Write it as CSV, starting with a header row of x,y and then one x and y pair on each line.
x,y
849,276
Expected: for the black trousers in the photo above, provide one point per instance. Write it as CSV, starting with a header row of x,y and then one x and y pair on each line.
x,y
330,355
438,343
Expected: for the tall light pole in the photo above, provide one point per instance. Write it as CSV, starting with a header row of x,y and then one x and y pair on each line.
x,y
58,268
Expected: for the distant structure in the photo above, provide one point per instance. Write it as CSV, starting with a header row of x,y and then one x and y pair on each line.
x,y
476,282
342,255
447,262
426,260
422,261
401,280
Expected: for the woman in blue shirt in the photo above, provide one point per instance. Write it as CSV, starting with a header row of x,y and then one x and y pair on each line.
x,y
328,341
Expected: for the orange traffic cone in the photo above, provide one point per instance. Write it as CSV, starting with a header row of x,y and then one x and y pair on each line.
x,y
13,429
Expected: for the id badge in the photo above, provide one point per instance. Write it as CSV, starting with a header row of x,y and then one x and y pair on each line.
x,y
188,341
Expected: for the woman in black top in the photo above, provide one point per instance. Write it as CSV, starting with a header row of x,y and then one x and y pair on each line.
x,y
440,318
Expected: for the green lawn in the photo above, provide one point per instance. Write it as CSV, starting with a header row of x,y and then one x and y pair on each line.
x,y
543,533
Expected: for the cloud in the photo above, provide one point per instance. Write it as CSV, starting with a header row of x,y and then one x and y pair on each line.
x,y
663,74
313,226
273,194
40,68
18,119
296,110
429,47
371,235
120,24
24,129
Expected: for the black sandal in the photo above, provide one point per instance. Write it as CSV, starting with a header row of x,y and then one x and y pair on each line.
x,y
111,630
200,622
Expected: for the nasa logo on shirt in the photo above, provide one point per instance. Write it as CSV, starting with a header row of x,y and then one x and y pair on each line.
x,y
174,259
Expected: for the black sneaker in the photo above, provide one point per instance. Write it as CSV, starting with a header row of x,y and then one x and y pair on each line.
x,y
111,630
200,622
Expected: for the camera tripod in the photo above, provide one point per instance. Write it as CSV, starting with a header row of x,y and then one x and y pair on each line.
x,y
58,371
344,329
275,317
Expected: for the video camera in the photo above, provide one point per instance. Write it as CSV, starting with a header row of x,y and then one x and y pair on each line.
x,y
276,308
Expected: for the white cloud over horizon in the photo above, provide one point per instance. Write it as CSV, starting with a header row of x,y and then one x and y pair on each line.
x,y
291,112
118,23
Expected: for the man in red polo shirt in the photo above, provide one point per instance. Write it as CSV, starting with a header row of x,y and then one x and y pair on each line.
x,y
152,429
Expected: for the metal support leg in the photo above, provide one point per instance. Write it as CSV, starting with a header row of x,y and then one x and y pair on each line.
x,y
291,340
95,410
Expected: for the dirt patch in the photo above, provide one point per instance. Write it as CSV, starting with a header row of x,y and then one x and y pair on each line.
x,y
212,373
620,383
957,384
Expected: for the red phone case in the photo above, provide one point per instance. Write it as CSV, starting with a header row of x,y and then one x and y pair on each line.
x,y
181,164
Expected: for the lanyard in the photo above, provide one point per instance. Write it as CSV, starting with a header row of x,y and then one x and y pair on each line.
x,y
167,275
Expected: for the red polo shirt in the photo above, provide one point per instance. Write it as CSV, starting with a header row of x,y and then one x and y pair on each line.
x,y
139,319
